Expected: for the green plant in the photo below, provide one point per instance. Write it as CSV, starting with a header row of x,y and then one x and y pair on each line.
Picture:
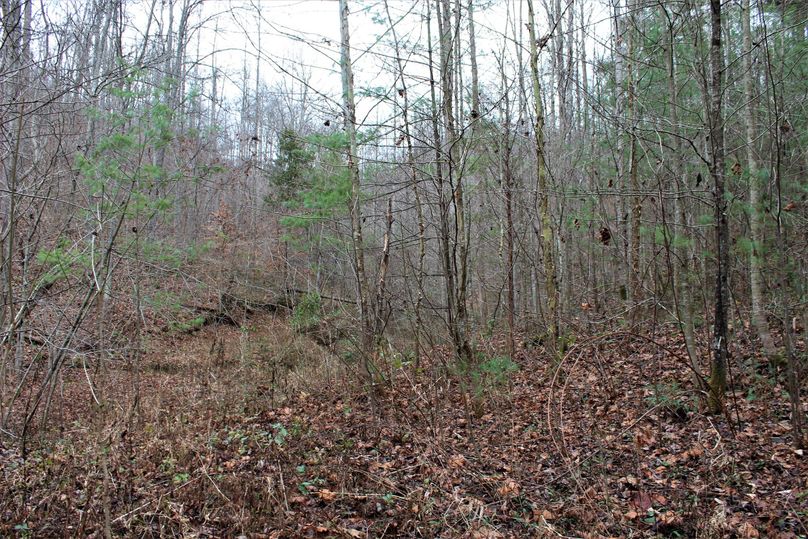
x,y
494,372
670,399
305,487
190,325
181,477
280,433
485,378
307,313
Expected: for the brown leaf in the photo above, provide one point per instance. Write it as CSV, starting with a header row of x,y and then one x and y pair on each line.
x,y
642,501
748,530
486,533
605,236
510,488
546,514
457,461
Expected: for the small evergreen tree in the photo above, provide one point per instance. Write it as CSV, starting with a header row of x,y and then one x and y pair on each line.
x,y
292,166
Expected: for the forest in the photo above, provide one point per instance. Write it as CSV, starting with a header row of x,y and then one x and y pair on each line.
x,y
404,268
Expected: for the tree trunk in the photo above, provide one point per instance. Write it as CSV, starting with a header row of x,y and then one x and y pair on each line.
x,y
443,203
682,296
547,234
718,368
506,180
455,177
761,325
349,111
413,175
635,283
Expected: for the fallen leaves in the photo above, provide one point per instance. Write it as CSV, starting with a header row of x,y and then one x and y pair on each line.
x,y
544,514
326,495
642,501
486,533
747,530
501,475
509,488
457,461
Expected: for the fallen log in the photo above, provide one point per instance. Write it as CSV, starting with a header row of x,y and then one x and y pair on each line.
x,y
233,310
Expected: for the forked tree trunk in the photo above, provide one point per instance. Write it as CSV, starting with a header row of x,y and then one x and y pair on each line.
x,y
454,175
546,235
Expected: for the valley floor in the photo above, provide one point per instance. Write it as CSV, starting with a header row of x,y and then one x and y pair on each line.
x,y
252,433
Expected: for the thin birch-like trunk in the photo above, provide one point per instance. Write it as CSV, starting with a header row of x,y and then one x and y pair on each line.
x,y
759,321
349,110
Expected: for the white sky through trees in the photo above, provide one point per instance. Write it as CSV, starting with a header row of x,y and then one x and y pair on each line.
x,y
299,39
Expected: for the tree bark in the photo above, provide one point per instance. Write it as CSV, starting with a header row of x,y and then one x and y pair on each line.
x,y
547,234
413,176
455,178
682,294
761,325
718,367
635,287
349,111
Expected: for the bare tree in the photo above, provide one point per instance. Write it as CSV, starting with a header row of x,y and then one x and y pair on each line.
x,y
753,170
545,231
715,128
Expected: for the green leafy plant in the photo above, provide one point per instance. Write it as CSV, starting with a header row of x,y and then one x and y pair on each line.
x,y
486,378
280,433
494,372
669,397
307,313
305,487
180,478
190,325
61,261
23,530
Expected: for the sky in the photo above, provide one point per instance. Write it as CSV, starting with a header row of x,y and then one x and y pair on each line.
x,y
294,40
306,33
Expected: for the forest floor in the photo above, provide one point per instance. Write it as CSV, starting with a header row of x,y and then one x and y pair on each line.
x,y
251,433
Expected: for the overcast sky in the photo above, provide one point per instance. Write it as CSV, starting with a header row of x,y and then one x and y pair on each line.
x,y
300,38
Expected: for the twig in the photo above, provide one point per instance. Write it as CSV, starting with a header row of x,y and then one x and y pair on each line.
x,y
138,508
89,382
205,471
283,487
